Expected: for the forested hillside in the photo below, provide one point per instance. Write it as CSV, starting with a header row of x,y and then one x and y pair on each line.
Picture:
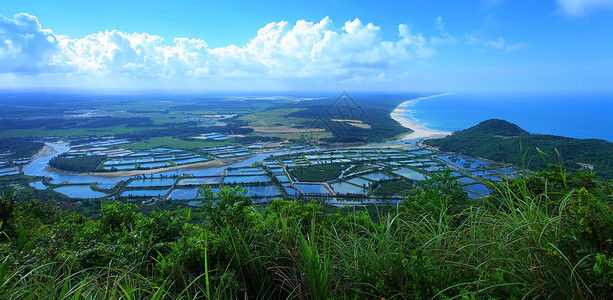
x,y
503,141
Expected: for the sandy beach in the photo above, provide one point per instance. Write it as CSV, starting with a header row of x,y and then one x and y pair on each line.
x,y
418,130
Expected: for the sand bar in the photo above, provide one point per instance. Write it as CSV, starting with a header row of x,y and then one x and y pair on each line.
x,y
418,130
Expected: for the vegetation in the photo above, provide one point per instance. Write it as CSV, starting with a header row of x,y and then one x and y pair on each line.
x,y
502,141
77,163
371,110
547,235
392,187
19,147
317,173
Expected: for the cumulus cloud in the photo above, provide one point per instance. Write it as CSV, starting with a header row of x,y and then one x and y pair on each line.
x,y
25,47
578,8
279,49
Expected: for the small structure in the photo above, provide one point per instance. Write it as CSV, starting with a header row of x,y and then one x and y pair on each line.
x,y
586,166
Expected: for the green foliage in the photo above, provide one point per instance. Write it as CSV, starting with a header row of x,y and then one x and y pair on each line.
x,y
7,205
438,194
396,187
119,217
317,173
164,226
502,141
78,163
19,147
228,206
373,110
547,235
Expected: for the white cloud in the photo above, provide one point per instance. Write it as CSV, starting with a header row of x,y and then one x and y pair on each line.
x,y
499,44
514,47
279,50
26,47
578,8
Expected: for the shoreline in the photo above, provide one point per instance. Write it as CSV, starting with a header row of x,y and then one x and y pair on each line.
x,y
418,130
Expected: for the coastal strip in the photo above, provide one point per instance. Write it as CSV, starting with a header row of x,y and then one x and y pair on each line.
x,y
418,130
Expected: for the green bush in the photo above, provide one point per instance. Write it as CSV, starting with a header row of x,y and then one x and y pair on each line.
x,y
547,235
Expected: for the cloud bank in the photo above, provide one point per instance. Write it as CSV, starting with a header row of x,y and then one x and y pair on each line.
x,y
578,8
279,49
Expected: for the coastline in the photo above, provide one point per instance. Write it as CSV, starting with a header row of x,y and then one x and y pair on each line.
x,y
418,130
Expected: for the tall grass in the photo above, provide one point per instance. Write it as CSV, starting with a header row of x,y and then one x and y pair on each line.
x,y
547,235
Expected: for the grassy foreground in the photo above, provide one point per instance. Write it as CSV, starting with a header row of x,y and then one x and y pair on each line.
x,y
548,235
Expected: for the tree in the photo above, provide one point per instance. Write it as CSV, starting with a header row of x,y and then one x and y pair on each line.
x,y
227,206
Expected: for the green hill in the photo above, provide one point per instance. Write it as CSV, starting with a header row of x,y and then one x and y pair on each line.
x,y
503,141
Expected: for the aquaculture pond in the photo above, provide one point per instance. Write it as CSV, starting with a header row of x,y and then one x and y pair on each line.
x,y
476,190
80,191
155,164
144,193
292,191
233,172
183,194
262,191
375,176
152,182
39,185
492,178
410,174
255,172
414,164
119,167
189,161
465,163
200,181
481,173
312,188
245,179
106,186
346,188
359,181
282,178
507,172
465,180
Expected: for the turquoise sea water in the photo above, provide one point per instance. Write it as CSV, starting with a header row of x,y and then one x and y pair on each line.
x,y
576,116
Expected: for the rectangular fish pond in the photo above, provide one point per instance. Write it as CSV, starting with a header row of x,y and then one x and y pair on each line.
x,y
80,191
144,193
476,190
410,174
200,180
245,179
312,188
152,182
346,188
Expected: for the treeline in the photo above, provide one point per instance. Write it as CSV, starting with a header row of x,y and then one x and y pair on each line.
x,y
502,141
20,147
371,110
62,123
543,236
186,130
78,163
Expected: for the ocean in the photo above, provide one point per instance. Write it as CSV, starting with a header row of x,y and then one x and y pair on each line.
x,y
576,116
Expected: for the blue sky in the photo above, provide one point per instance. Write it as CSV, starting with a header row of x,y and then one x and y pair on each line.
x,y
411,45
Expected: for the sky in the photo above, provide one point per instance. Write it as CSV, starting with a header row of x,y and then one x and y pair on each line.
x,y
410,45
